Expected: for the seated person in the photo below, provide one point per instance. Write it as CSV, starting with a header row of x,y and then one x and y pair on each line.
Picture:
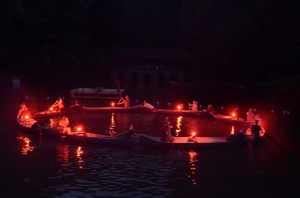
x,y
59,105
22,112
63,125
128,133
125,102
147,105
211,109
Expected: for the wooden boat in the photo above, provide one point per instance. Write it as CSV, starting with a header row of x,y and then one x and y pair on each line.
x,y
99,93
232,120
53,113
86,138
132,109
38,128
142,109
190,142
201,113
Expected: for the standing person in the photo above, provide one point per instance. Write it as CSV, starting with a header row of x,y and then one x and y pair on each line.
x,y
193,106
250,115
256,129
167,134
22,112
125,102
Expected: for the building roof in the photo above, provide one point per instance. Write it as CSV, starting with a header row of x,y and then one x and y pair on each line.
x,y
148,53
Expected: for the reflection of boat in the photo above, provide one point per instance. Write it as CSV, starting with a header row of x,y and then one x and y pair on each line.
x,y
37,128
190,142
96,93
85,138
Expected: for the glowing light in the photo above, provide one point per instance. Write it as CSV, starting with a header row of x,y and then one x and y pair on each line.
x,y
26,116
193,134
79,128
233,114
112,104
232,130
179,107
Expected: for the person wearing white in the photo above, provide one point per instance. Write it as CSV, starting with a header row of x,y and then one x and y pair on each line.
x,y
147,105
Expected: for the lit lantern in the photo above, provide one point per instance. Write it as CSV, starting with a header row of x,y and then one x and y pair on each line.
x,y
179,107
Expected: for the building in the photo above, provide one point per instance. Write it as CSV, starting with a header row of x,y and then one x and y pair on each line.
x,y
147,72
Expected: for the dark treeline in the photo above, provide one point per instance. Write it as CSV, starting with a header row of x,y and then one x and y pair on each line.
x,y
53,41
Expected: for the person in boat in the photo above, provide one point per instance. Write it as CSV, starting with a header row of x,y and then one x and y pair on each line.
x,y
125,102
23,111
147,105
193,106
250,115
211,109
130,133
59,105
256,130
167,134
63,125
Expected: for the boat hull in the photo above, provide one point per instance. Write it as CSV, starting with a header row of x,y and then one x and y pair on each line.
x,y
189,143
100,140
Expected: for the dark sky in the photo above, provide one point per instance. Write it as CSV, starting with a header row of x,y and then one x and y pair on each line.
x,y
246,41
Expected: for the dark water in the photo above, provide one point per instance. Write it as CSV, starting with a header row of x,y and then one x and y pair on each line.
x,y
44,168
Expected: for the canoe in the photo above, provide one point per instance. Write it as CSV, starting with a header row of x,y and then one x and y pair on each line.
x,y
189,142
200,113
232,120
27,125
116,109
38,128
86,138
141,109
53,113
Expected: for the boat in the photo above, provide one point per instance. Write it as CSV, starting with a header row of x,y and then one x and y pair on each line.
x,y
201,113
190,142
54,113
96,93
132,109
232,119
142,109
87,138
38,128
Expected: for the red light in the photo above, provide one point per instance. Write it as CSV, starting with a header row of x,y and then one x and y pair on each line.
x,y
112,104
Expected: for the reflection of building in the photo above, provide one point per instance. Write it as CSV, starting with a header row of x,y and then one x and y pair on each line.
x,y
146,71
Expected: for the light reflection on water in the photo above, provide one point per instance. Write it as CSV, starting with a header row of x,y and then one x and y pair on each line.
x,y
81,171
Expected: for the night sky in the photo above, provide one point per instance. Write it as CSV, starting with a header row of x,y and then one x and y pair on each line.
x,y
229,41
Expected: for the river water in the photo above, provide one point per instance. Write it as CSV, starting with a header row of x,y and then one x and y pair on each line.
x,y
37,167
